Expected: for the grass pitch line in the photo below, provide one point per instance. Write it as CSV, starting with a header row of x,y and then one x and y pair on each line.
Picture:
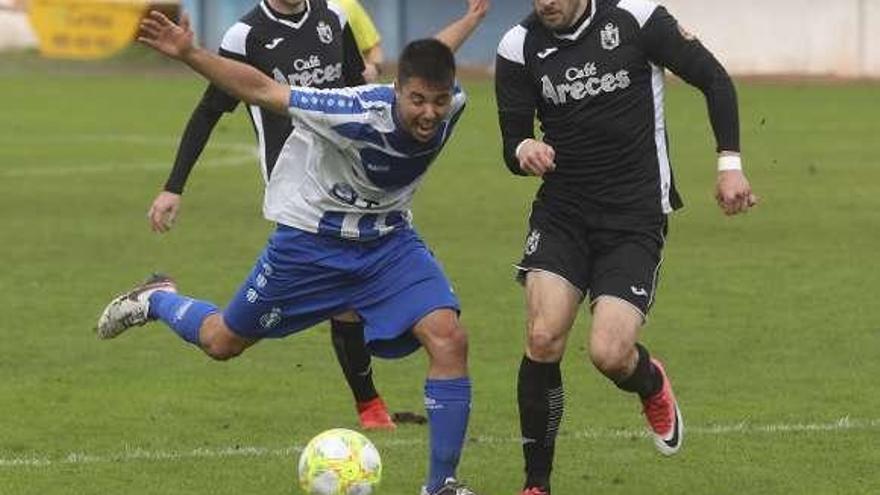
x,y
111,138
237,160
237,154
137,454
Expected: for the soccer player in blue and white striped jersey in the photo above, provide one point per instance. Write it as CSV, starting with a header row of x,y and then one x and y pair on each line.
x,y
344,240
304,43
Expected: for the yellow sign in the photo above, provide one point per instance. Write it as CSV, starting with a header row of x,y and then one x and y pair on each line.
x,y
85,29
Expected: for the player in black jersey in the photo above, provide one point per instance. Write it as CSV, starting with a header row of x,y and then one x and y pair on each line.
x,y
592,72
297,42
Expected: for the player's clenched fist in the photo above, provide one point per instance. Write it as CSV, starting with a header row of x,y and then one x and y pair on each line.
x,y
733,192
536,157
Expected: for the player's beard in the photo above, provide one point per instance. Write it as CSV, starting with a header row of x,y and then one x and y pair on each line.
x,y
288,6
557,19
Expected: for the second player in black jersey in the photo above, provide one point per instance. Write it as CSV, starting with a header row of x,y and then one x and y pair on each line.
x,y
296,42
592,71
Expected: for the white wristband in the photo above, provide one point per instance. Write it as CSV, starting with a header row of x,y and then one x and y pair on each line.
x,y
519,147
729,162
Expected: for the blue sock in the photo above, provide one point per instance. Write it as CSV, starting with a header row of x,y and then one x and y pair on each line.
x,y
182,314
448,403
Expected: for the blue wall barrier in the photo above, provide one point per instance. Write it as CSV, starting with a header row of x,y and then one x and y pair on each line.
x,y
399,21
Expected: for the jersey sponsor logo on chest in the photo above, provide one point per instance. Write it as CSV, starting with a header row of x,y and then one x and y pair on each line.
x,y
309,72
301,64
583,81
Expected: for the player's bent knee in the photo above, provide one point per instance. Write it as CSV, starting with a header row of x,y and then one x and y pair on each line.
x,y
459,341
453,341
611,358
223,351
219,342
443,336
446,340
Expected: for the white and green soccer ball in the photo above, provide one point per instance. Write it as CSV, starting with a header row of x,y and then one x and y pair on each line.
x,y
339,462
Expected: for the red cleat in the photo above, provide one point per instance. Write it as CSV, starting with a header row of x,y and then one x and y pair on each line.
x,y
374,415
664,418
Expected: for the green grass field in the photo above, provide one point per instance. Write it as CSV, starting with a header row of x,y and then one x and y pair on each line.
x,y
767,322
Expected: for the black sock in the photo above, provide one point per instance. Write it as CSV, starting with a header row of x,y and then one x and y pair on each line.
x,y
645,379
541,401
348,342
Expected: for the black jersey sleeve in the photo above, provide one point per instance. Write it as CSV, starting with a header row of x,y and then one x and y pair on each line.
x,y
516,108
352,61
198,130
667,44
195,137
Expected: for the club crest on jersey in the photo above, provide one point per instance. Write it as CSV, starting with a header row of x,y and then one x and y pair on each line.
x,y
532,242
325,33
610,36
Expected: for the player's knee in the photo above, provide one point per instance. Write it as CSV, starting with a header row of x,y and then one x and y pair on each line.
x,y
544,343
444,338
222,349
218,341
612,357
454,340
448,345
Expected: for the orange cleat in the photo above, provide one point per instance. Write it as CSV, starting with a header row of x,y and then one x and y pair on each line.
x,y
374,415
664,418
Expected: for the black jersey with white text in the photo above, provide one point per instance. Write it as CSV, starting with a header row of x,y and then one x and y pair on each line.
x,y
315,49
598,91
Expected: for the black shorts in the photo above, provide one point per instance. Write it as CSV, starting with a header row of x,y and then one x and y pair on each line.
x,y
600,254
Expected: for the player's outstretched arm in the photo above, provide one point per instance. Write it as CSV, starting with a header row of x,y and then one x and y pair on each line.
x,y
240,80
455,34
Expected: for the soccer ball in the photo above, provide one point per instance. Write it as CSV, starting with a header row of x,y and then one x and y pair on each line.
x,y
339,462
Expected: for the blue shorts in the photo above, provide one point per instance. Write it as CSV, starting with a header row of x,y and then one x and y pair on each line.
x,y
302,279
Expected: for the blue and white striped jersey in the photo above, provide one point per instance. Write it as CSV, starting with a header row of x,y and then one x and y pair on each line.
x,y
349,169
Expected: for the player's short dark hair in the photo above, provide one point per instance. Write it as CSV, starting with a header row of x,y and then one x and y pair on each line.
x,y
427,59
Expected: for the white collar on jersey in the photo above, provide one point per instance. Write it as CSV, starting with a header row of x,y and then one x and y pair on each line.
x,y
580,30
294,25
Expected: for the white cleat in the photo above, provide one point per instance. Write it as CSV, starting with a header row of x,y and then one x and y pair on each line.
x,y
132,308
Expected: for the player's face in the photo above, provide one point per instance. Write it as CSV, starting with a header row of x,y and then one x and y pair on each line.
x,y
421,107
559,14
289,6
